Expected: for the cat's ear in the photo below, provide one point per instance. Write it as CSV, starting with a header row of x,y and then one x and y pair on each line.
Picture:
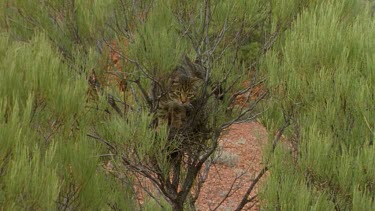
x,y
197,81
198,61
174,79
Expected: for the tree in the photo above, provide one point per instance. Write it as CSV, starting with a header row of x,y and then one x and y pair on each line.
x,y
173,159
63,42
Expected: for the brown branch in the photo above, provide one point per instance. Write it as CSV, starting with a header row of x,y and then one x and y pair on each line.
x,y
245,198
201,180
243,91
206,155
251,107
144,93
207,11
145,173
147,191
140,67
218,39
135,95
230,193
111,101
97,137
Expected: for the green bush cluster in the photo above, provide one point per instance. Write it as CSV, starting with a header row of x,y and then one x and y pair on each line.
x,y
47,161
323,76
317,56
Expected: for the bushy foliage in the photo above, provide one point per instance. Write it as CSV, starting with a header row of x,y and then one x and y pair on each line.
x,y
61,135
47,161
323,76
69,144
157,46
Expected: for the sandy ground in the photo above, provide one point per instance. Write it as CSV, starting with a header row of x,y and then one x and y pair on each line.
x,y
238,161
240,157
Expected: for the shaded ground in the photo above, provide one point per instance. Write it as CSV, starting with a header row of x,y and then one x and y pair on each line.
x,y
240,157
235,165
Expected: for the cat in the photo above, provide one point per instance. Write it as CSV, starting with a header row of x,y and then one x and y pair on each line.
x,y
182,107
184,94
182,90
196,69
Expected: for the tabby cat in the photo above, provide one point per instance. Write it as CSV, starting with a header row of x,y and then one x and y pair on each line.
x,y
183,89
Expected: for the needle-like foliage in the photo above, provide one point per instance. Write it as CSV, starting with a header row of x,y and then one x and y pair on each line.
x,y
323,76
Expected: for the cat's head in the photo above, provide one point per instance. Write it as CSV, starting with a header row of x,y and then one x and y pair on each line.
x,y
183,90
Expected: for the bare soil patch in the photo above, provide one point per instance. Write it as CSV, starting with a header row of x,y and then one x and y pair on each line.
x,y
235,166
241,158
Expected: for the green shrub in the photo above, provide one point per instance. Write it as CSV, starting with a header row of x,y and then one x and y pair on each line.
x,y
323,76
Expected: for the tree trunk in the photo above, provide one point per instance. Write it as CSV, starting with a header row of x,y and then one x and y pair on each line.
x,y
177,206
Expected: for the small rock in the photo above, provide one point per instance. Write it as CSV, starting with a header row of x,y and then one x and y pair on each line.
x,y
241,141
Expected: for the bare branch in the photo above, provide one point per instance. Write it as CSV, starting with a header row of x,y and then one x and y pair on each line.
x,y
251,107
135,95
145,172
230,192
218,39
144,93
245,198
147,191
97,137
207,11
111,101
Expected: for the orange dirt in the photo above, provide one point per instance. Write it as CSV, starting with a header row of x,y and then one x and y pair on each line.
x,y
251,95
240,154
243,143
240,149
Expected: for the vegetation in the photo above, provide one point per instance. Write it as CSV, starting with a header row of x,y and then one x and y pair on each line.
x,y
323,78
79,99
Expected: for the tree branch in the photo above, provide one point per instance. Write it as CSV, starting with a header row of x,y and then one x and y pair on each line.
x,y
245,198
